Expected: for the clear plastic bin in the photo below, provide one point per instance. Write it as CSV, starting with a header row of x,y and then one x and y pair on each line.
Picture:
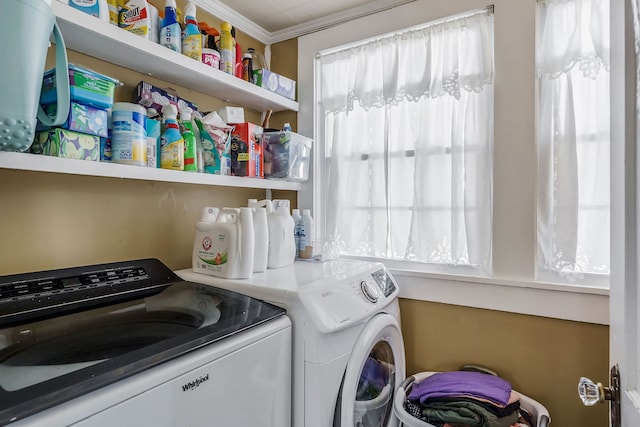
x,y
539,413
286,156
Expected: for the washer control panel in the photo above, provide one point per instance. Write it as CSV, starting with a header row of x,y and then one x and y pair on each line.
x,y
336,304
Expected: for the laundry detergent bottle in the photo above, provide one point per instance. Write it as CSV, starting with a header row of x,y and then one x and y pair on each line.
x,y
224,248
282,244
261,230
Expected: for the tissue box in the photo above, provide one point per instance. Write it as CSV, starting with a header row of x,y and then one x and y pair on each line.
x,y
247,150
232,114
150,96
85,86
83,119
286,156
275,83
67,143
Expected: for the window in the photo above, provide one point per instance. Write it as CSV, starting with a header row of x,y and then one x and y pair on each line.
x,y
572,60
407,121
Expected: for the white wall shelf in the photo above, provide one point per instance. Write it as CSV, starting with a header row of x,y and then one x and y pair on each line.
x,y
109,43
102,40
41,163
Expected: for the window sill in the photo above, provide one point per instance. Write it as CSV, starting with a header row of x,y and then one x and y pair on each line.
x,y
567,302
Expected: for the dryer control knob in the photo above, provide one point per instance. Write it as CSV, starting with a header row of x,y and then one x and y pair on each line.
x,y
370,291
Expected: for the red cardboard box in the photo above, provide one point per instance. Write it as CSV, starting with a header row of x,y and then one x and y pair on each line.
x,y
247,150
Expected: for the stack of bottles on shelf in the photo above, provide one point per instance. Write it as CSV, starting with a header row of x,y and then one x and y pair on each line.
x,y
194,39
183,33
234,243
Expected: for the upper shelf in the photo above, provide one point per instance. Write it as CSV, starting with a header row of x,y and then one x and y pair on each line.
x,y
41,163
93,37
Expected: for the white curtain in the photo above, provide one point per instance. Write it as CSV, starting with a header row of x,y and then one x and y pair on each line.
x,y
408,128
572,60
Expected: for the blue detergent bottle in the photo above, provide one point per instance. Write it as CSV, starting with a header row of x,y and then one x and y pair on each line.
x,y
171,33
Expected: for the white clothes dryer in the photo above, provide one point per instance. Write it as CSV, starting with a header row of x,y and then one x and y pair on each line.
x,y
348,353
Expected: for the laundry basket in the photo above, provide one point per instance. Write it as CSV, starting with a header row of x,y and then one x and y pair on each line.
x,y
538,413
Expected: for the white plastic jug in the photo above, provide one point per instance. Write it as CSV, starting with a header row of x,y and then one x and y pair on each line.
x,y
224,248
29,23
261,230
282,244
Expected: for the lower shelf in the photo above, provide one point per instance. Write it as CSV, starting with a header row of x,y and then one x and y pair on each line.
x,y
40,163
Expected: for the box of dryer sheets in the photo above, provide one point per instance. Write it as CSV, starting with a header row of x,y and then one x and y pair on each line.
x,y
275,83
247,154
150,96
60,142
82,118
85,86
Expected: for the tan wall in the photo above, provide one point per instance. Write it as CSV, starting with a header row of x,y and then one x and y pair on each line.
x,y
542,358
57,220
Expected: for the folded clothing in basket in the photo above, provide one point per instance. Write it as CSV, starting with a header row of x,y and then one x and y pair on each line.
x,y
463,384
463,398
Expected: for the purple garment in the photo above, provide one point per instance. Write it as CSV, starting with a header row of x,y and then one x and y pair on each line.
x,y
462,383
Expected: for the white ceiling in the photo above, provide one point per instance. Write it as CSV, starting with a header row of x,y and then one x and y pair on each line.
x,y
275,20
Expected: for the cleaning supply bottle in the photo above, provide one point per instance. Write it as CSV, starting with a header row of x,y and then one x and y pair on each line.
x,y
191,37
99,8
261,229
154,24
171,141
227,51
305,239
199,146
237,65
170,31
282,249
224,248
188,135
247,67
295,214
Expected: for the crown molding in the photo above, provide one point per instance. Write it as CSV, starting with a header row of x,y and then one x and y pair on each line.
x,y
225,13
335,19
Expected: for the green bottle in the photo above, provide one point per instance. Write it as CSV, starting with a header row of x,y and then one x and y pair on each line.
x,y
190,145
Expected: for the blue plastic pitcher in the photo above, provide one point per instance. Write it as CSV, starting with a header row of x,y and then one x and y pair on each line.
x,y
30,23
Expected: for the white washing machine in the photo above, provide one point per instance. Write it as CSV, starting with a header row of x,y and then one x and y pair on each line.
x,y
131,344
348,353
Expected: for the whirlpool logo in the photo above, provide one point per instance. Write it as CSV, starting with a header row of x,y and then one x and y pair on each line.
x,y
196,383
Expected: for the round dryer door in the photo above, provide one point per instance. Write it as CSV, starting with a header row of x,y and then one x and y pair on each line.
x,y
375,369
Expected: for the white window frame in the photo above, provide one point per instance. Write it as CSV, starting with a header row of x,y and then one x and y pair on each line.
x,y
513,287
